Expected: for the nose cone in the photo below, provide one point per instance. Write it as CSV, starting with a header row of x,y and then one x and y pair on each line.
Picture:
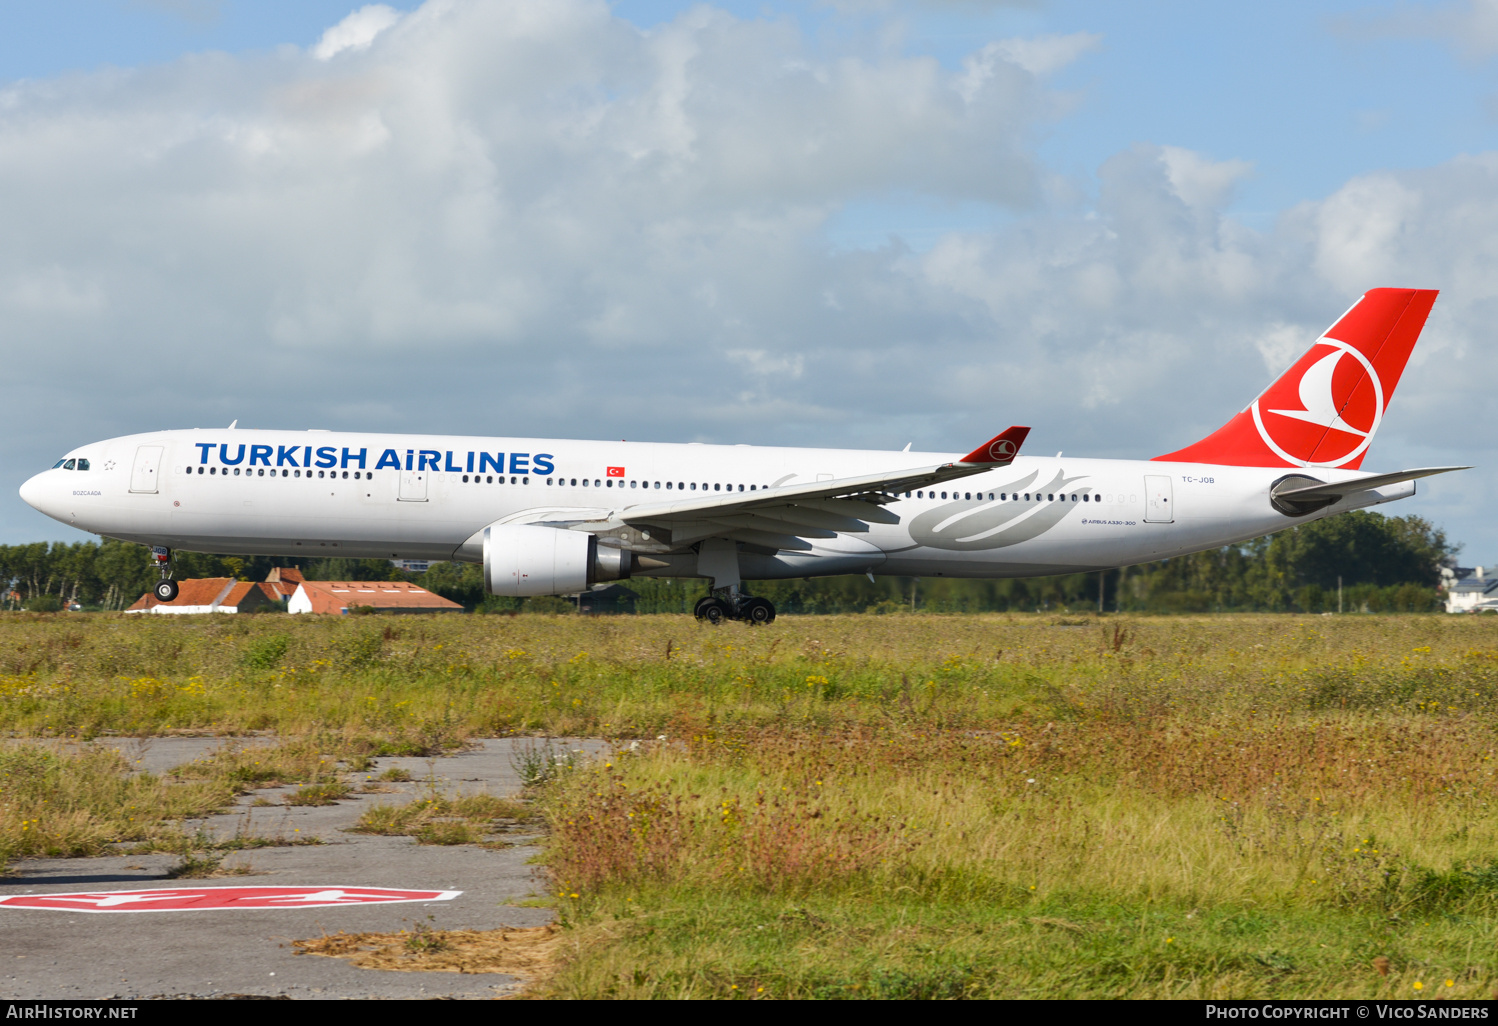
x,y
34,493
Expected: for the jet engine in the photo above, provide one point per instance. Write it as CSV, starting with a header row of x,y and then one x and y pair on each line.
x,y
525,560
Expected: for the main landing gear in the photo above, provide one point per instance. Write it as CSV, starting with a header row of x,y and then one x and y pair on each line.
x,y
718,560
165,589
714,609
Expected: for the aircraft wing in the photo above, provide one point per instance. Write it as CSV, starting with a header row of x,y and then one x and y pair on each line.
x,y
784,517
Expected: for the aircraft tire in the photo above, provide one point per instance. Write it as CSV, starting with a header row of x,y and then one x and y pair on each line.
x,y
712,610
166,591
758,611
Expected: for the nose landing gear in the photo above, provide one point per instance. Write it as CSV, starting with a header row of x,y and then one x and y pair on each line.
x,y
165,589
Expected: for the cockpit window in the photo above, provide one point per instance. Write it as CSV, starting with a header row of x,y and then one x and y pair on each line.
x,y
83,464
58,464
69,464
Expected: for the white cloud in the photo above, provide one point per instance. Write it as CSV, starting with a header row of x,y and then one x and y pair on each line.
x,y
533,187
356,32
1042,55
763,364
1150,323
1200,182
1470,27
1360,230
1037,56
1279,345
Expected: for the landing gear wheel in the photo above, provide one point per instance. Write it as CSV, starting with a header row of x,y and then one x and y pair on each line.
x,y
712,610
758,611
166,591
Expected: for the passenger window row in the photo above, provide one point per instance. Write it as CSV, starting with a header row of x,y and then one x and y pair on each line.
x,y
467,478
680,486
367,475
599,482
1014,497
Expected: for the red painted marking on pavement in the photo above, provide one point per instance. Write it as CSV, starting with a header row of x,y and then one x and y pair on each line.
x,y
197,899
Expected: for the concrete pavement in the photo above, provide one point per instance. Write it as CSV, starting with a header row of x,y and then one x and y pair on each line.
x,y
66,954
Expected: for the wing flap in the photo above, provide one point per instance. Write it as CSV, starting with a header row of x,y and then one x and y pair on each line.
x,y
866,510
769,540
749,522
802,516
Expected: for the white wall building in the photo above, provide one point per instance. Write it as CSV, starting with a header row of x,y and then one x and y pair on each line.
x,y
1471,592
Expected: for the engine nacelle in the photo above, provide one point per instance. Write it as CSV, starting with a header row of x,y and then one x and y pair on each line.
x,y
525,560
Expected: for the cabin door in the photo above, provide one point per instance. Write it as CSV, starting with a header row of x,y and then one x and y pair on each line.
x,y
1159,509
413,486
147,464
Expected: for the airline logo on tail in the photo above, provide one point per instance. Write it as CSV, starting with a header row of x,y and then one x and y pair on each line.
x,y
1326,399
1325,410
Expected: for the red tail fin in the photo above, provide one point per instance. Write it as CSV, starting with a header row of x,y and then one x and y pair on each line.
x,y
1324,410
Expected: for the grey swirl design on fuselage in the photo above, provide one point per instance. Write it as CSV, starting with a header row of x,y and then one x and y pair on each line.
x,y
968,526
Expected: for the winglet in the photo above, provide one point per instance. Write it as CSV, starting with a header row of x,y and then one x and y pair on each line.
x,y
1000,450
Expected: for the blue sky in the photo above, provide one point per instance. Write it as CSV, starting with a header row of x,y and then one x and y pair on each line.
x,y
767,218
43,40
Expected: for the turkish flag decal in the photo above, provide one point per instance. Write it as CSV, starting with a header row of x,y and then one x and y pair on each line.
x,y
198,899
616,472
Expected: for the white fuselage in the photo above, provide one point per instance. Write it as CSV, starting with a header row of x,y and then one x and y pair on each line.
x,y
319,494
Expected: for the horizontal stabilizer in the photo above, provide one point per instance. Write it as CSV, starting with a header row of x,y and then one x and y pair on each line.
x,y
1337,489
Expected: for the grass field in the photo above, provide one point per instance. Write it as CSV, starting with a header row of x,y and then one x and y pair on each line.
x,y
902,806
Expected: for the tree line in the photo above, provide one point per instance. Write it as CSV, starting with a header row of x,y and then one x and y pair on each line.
x,y
1381,563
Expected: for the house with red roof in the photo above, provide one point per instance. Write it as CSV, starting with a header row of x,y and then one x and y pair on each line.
x,y
212,595
339,597
284,579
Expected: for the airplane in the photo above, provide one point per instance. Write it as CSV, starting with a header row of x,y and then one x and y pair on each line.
x,y
558,516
